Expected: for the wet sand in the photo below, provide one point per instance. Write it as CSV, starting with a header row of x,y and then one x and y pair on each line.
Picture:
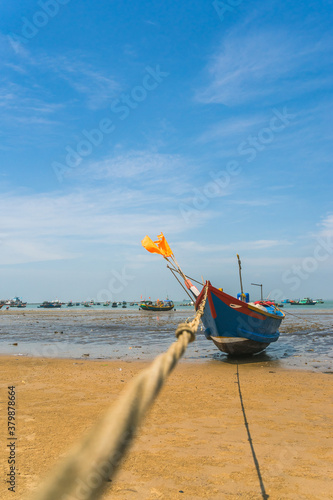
x,y
194,443
306,341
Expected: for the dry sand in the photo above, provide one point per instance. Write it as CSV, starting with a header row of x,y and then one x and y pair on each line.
x,y
193,443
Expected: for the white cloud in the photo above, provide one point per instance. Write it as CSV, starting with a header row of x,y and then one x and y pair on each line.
x,y
326,226
256,64
58,226
230,247
135,164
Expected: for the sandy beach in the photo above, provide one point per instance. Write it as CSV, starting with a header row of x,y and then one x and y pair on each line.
x,y
194,443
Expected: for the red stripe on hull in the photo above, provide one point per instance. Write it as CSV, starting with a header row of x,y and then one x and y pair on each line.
x,y
211,304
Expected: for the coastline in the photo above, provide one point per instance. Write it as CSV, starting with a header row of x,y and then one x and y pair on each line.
x,y
305,342
194,440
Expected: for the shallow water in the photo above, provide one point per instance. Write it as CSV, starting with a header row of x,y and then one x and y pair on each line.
x,y
306,340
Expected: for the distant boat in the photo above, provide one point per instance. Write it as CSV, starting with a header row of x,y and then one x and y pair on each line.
x,y
304,302
70,303
187,303
159,305
50,305
114,304
15,302
124,304
320,301
106,304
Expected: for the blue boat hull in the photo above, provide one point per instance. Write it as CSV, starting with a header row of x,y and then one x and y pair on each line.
x,y
237,327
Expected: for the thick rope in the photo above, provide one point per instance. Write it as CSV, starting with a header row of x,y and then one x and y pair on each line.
x,y
87,471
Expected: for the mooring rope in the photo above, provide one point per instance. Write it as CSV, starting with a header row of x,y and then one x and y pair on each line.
x,y
88,470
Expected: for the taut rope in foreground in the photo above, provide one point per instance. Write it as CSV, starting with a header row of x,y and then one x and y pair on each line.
x,y
85,473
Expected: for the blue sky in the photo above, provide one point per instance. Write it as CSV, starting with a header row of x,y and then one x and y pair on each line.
x,y
209,121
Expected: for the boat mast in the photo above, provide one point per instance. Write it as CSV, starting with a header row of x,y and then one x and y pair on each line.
x,y
240,278
259,284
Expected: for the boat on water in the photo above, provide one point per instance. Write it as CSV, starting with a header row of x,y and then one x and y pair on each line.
x,y
303,302
158,305
114,304
15,302
187,303
50,305
235,325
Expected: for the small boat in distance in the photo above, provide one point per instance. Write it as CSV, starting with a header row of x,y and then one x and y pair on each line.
x,y
187,303
50,305
303,302
158,305
15,302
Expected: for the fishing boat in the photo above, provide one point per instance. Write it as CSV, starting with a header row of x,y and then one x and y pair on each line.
x,y
158,305
15,302
187,303
235,325
304,302
238,327
50,305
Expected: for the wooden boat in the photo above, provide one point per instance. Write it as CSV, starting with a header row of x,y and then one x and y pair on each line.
x,y
235,325
238,327
159,305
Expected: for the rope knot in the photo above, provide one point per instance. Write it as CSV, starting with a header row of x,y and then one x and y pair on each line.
x,y
183,327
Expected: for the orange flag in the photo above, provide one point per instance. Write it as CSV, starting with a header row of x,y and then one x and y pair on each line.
x,y
160,246
163,245
149,245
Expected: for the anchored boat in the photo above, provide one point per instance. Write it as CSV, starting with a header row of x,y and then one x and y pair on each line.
x,y
304,302
159,305
235,325
238,327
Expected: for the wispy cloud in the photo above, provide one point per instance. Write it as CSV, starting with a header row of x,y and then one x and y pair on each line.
x,y
240,245
326,226
97,87
254,63
135,164
36,76
62,226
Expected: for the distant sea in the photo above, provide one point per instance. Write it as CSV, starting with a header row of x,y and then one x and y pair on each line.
x,y
99,332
